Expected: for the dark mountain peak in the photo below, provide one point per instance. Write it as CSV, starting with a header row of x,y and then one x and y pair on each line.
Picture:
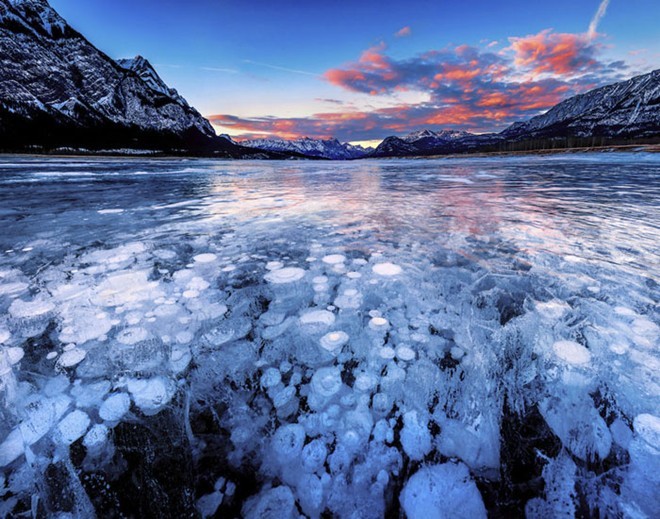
x,y
38,15
145,70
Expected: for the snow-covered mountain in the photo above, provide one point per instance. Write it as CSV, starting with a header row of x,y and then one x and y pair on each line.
x,y
628,111
327,149
426,142
429,136
58,90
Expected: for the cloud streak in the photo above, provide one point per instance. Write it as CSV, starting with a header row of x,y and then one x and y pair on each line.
x,y
595,21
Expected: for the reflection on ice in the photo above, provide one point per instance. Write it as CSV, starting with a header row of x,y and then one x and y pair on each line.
x,y
374,338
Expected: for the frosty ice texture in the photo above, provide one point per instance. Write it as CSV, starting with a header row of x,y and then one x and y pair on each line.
x,y
351,370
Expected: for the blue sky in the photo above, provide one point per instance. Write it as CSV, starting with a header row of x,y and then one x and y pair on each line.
x,y
290,68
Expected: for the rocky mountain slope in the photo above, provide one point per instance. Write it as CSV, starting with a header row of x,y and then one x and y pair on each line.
x,y
628,111
59,91
327,149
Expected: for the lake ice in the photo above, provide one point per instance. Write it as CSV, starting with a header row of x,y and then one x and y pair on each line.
x,y
434,338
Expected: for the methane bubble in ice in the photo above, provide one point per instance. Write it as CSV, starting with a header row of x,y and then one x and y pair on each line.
x,y
571,352
318,317
115,407
206,257
387,269
442,491
285,275
333,259
71,357
333,341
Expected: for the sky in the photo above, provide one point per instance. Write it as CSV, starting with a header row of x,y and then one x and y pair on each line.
x,y
361,71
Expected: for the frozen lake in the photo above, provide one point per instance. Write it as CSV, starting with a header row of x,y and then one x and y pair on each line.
x,y
355,339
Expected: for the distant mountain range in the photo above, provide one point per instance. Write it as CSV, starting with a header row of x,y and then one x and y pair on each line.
x,y
327,149
59,93
625,112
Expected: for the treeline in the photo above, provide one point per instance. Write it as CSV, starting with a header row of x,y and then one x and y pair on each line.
x,y
559,143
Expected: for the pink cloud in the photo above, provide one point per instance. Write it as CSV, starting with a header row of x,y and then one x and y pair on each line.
x,y
403,32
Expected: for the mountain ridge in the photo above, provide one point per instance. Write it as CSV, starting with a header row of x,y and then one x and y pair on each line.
x,y
59,92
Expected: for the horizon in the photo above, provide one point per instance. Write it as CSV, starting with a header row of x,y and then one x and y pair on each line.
x,y
292,71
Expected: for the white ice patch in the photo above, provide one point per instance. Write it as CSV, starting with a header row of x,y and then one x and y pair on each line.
x,y
115,407
442,491
572,352
285,275
151,395
73,426
333,259
71,358
205,258
387,269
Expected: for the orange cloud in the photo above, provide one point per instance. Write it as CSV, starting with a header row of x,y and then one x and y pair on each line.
x,y
555,53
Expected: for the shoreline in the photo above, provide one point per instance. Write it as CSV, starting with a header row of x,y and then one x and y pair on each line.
x,y
628,148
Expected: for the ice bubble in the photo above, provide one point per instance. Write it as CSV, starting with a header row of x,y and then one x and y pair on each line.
x,y
318,317
442,491
285,275
325,384
365,382
386,353
151,395
198,283
4,335
51,355
20,309
229,268
96,436
378,323
207,257
314,455
320,280
274,265
110,211
457,353
647,427
73,426
271,378
334,341
115,407
415,436
274,503
381,403
334,259
14,355
353,275
288,442
132,335
571,352
190,294
405,353
387,269
71,358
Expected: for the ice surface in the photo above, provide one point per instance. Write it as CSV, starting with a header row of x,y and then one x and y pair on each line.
x,y
250,346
